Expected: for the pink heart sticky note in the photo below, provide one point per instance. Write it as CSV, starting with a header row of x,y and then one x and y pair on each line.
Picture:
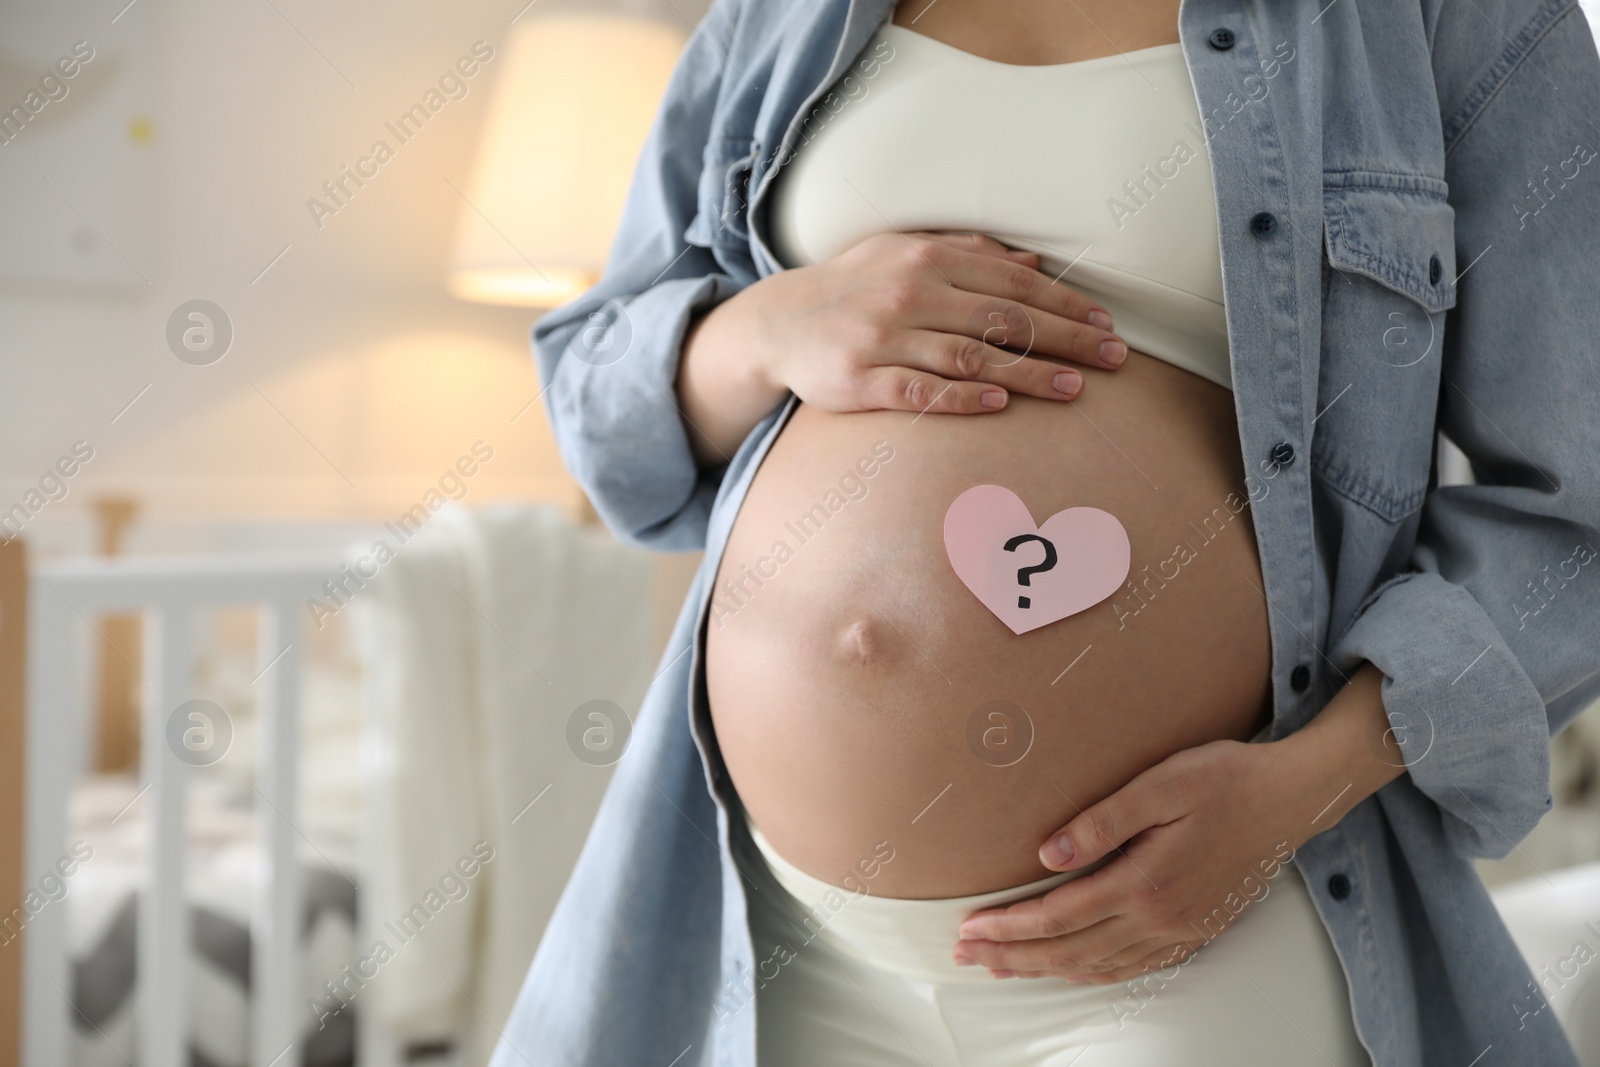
x,y
1028,575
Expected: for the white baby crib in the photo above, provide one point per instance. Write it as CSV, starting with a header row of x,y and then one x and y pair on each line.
x,y
63,597
461,736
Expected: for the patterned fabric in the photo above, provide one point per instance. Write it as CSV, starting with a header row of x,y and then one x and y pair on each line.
x,y
219,1006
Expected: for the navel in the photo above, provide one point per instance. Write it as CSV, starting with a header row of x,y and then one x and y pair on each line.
x,y
864,642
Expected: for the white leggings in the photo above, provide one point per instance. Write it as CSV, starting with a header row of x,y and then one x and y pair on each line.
x,y
867,981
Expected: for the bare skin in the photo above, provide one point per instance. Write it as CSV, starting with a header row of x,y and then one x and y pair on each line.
x,y
842,686
1034,32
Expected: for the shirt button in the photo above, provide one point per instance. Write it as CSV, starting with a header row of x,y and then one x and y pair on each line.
x,y
1264,224
1339,887
1435,270
1222,38
1282,453
1300,678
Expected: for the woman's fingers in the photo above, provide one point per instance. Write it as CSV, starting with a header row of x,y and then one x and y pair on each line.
x,y
997,276
1015,306
899,388
1128,959
1120,968
1103,827
1067,909
1020,325
1116,942
999,279
969,359
980,243
1074,954
1108,948
1160,962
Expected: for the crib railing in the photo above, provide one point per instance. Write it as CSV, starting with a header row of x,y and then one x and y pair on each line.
x,y
63,600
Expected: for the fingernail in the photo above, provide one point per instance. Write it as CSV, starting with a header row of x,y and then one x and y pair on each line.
x,y
1002,974
1068,382
1076,981
1057,852
1113,352
971,932
993,398
964,960
1099,319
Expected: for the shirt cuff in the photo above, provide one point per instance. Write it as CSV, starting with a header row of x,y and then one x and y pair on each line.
x,y
1470,723
612,370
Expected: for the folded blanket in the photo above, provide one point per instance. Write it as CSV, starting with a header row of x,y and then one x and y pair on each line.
x,y
483,636
102,906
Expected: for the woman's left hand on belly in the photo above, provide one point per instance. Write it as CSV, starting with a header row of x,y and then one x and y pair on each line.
x,y
1203,829
1198,837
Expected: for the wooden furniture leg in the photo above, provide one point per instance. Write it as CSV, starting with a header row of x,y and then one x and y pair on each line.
x,y
13,660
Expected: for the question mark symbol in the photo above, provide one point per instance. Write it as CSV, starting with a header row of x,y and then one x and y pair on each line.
x,y
1024,574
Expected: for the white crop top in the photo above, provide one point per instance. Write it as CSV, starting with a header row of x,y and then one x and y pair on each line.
x,y
1099,164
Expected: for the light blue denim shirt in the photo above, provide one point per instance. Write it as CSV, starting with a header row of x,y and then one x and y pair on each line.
x,y
1408,198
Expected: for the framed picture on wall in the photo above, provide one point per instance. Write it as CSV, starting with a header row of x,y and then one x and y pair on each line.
x,y
77,146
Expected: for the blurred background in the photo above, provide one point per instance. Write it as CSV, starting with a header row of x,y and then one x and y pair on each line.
x,y
266,283
187,160
308,644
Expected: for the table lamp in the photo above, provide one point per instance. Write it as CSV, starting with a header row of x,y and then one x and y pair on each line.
x,y
572,105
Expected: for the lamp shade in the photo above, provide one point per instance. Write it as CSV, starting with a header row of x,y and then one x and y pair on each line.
x,y
573,104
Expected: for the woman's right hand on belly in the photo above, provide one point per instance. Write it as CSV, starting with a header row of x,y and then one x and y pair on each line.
x,y
900,322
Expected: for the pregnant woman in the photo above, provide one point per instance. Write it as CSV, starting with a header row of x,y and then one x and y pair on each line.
x,y
898,284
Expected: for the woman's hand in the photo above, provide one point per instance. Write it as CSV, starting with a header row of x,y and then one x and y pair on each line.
x,y
1193,842
1196,837
900,321
913,322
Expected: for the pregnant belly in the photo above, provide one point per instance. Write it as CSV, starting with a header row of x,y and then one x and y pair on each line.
x,y
865,701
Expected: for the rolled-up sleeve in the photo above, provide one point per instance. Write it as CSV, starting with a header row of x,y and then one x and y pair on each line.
x,y
608,360
1490,642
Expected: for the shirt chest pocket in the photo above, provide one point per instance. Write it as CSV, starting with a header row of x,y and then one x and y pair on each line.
x,y
1388,277
722,217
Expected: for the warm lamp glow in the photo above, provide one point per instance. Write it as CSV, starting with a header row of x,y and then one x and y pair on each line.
x,y
572,107
546,287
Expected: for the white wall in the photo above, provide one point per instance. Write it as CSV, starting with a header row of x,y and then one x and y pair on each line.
x,y
353,380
